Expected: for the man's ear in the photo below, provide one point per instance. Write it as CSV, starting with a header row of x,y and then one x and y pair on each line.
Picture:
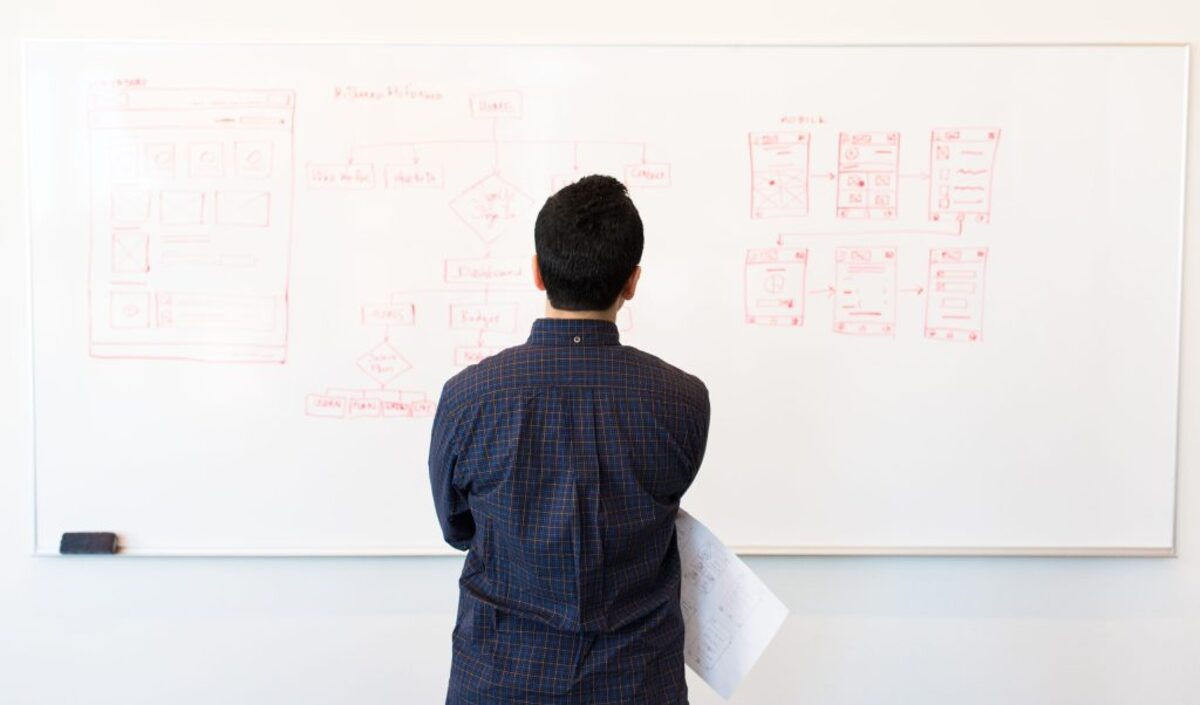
x,y
537,275
631,284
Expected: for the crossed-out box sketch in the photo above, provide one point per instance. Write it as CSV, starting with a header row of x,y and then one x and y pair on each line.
x,y
779,174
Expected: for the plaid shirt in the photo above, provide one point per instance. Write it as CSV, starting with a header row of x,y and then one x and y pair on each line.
x,y
560,463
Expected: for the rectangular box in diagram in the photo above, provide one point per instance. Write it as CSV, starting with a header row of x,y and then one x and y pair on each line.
x,y
130,252
368,404
254,158
414,176
129,204
398,313
470,355
366,408
487,270
774,286
865,291
185,208
496,104
961,163
342,176
206,159
326,406
643,175
868,175
129,309
499,317
779,174
181,179
954,306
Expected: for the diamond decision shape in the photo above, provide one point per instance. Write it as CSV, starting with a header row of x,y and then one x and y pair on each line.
x,y
490,205
383,363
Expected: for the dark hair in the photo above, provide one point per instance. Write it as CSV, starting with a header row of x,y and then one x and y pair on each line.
x,y
588,238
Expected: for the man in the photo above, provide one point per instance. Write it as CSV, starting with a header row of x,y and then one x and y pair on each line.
x,y
559,464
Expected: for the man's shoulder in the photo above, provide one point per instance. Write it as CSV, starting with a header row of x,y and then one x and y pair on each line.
x,y
669,376
526,364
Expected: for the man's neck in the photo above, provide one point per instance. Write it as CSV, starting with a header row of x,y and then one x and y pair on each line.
x,y
609,314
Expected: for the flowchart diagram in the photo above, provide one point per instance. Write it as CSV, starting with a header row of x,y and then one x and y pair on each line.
x,y
191,234
193,192
483,301
869,186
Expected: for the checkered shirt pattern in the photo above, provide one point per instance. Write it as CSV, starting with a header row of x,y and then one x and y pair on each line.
x,y
558,465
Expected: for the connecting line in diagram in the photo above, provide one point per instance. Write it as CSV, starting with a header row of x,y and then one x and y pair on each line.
x,y
864,294
478,292
494,106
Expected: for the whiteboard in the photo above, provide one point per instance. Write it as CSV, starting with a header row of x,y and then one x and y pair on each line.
x,y
934,291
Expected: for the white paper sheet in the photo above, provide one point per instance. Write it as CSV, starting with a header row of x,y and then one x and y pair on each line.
x,y
729,614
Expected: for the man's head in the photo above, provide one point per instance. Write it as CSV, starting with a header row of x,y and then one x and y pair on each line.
x,y
588,238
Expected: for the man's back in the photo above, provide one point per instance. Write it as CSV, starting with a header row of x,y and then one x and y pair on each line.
x,y
560,464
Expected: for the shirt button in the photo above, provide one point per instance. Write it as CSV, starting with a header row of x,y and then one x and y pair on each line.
x,y
578,339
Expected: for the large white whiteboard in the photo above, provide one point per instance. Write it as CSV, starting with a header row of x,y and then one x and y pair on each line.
x,y
934,291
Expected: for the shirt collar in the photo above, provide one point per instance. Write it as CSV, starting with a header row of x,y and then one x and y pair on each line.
x,y
574,331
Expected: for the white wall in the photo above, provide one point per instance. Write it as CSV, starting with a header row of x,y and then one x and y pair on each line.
x,y
362,631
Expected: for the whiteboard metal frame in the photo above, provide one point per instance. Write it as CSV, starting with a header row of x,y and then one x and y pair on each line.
x,y
782,551
27,183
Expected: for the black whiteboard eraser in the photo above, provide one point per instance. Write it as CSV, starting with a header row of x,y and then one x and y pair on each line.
x,y
88,542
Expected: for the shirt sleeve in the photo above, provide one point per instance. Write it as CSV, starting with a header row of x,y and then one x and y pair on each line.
x,y
698,416
449,499
699,430
703,417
